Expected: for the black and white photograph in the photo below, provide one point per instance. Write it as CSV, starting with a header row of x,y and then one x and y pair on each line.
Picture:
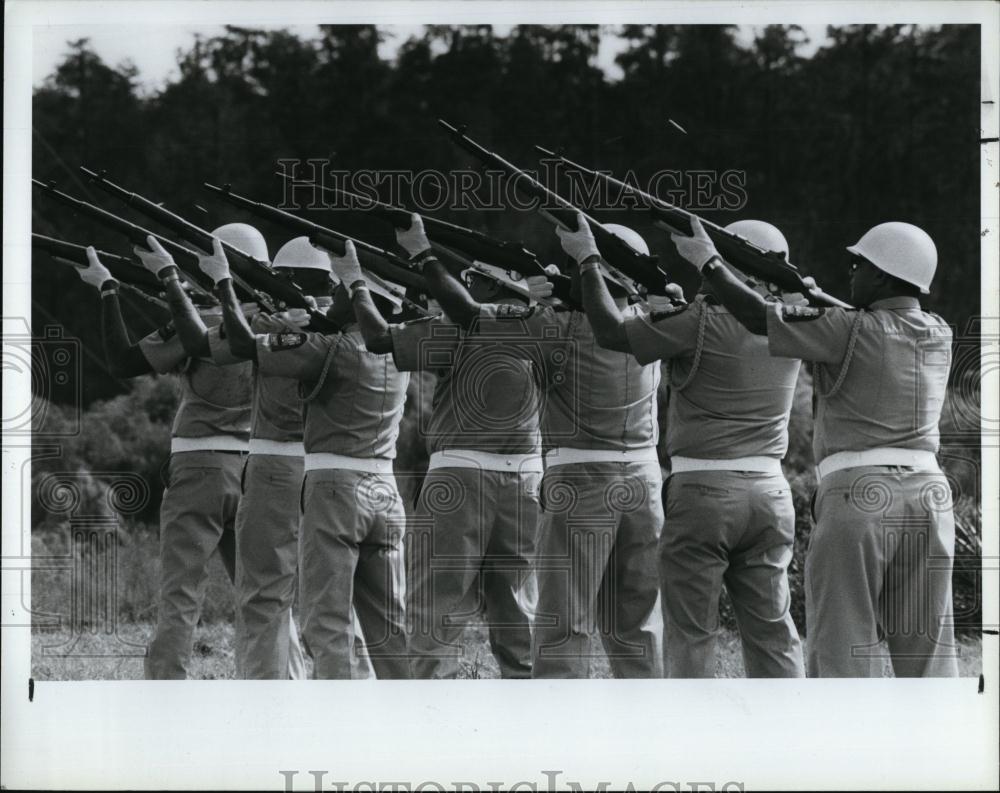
x,y
535,398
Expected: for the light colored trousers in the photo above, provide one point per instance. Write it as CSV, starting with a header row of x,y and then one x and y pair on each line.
x,y
471,544
351,559
732,528
597,568
197,515
267,539
879,566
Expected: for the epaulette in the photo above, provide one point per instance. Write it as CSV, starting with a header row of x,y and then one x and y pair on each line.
x,y
672,311
285,341
801,313
513,311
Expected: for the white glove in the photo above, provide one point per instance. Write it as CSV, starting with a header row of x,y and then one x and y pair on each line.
x,y
539,287
578,245
698,248
95,273
551,269
293,318
156,260
413,240
347,267
671,294
215,265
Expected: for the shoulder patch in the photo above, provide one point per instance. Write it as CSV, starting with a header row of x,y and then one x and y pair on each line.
x,y
285,341
167,332
672,311
513,311
801,313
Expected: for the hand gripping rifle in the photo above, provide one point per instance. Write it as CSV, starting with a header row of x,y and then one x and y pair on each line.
x,y
617,253
136,280
185,259
257,280
382,263
469,248
768,266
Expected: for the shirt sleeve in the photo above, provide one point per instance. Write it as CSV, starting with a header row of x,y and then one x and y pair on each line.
x,y
297,355
664,334
809,332
218,347
163,349
424,344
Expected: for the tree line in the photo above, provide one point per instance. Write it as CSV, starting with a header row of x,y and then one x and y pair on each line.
x,y
880,123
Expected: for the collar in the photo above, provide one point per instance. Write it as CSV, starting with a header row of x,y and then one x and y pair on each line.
x,y
895,302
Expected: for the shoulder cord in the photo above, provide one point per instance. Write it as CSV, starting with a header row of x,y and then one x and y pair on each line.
x,y
851,342
327,362
699,347
188,371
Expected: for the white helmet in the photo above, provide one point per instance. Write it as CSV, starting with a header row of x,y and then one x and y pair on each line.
x,y
245,238
761,234
902,250
299,252
635,242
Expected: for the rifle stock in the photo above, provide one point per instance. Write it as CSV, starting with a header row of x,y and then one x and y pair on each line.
x,y
382,263
120,267
769,266
615,251
137,281
460,247
185,259
255,279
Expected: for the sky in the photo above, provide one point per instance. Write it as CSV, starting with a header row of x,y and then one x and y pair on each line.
x,y
152,48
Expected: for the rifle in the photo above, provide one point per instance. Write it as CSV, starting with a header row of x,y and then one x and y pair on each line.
x,y
465,246
254,278
617,253
137,281
186,260
382,263
769,266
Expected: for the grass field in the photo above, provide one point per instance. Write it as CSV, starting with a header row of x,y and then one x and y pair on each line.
x,y
119,656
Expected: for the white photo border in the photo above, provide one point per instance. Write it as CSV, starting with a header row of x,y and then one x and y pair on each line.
x,y
816,734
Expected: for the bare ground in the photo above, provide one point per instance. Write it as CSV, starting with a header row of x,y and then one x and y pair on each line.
x,y
118,655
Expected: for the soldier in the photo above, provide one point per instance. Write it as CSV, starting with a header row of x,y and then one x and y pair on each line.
x,y
879,558
267,521
350,545
208,445
729,516
599,495
473,536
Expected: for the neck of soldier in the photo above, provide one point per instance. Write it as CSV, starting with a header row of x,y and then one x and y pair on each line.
x,y
887,291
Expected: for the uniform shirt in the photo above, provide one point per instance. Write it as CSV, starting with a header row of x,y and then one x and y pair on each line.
x,y
738,400
354,400
486,395
276,413
897,372
592,398
215,400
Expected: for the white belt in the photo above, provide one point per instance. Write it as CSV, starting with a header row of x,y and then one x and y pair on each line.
x,y
565,455
911,458
280,448
485,461
761,464
210,443
318,461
